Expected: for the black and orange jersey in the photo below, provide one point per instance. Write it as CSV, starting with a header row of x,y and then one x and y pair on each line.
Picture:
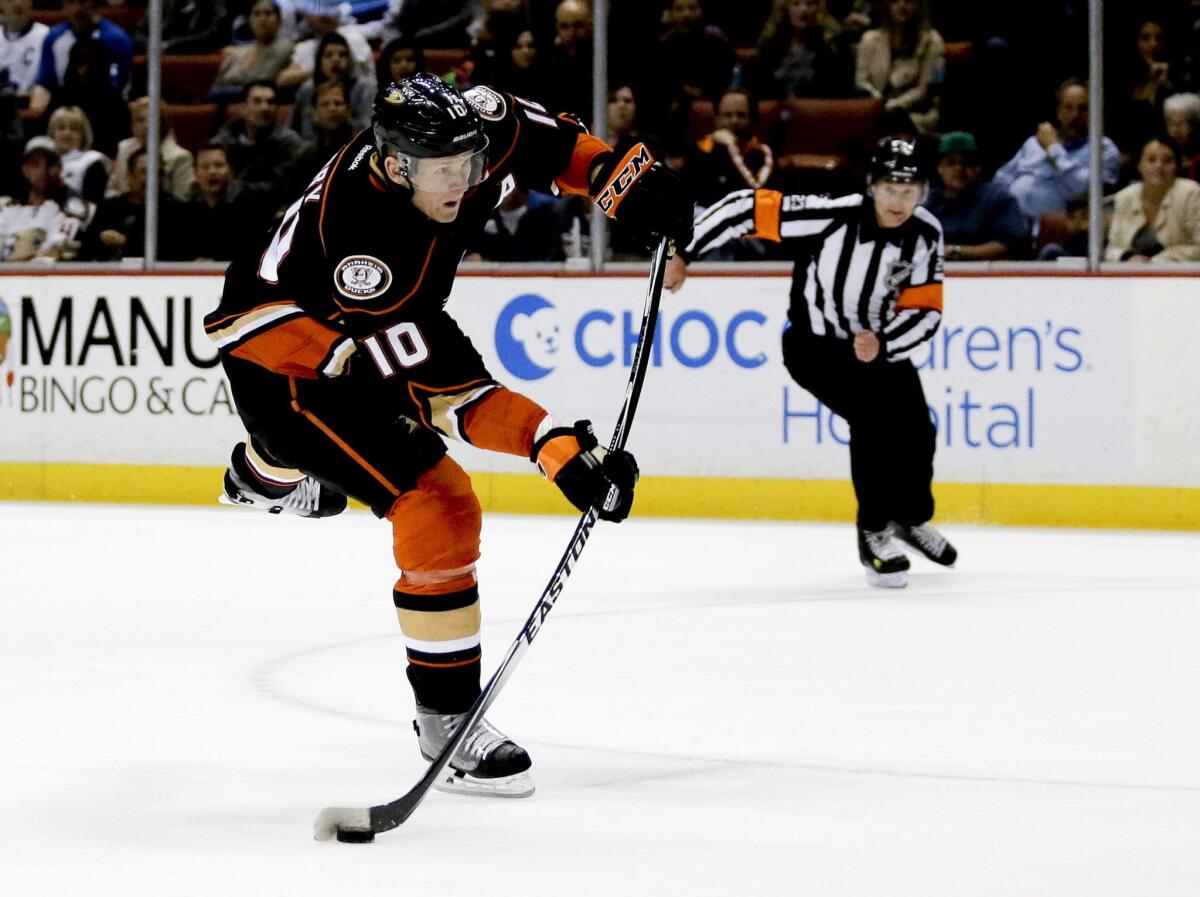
x,y
354,267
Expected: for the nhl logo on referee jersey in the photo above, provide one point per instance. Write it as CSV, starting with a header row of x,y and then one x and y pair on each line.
x,y
362,277
485,101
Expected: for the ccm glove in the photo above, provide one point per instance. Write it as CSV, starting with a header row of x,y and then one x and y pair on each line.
x,y
571,458
645,197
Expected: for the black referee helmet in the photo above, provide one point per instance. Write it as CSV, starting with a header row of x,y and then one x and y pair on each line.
x,y
896,160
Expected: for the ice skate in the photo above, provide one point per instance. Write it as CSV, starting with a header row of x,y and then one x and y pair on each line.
x,y
927,540
887,566
488,763
304,497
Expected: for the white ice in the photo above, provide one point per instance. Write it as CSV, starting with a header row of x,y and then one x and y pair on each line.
x,y
713,709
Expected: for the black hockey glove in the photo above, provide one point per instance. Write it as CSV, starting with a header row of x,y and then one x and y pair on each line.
x,y
571,458
646,197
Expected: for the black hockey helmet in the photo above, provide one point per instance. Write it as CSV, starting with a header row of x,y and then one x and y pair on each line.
x,y
895,159
423,118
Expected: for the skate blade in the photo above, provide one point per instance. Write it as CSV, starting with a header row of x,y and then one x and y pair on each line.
x,y
452,781
896,580
248,503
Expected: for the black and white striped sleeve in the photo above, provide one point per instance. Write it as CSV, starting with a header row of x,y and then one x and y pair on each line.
x,y
765,215
917,312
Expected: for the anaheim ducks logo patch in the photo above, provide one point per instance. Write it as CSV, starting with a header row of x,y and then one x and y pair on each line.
x,y
362,277
485,101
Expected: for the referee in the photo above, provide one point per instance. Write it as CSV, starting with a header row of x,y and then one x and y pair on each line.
x,y
866,294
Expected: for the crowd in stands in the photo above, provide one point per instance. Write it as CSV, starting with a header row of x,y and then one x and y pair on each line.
x,y
733,94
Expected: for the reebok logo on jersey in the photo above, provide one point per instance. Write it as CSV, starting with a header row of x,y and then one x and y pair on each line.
x,y
361,155
362,277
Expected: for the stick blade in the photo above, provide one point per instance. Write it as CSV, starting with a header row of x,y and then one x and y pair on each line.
x,y
334,819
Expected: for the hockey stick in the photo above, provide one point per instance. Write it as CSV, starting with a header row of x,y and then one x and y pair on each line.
x,y
363,824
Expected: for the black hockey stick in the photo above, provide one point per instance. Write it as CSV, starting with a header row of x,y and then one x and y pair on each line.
x,y
363,824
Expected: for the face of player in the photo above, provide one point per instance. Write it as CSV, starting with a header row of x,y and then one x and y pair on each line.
x,y
896,203
264,21
438,185
335,62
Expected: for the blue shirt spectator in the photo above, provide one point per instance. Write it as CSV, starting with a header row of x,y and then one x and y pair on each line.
x,y
1051,167
980,219
82,22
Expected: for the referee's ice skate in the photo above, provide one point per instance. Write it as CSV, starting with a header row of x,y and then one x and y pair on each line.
x,y
887,566
928,541
488,763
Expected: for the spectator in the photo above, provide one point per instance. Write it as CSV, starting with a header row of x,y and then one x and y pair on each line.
x,y
177,174
1138,98
323,17
188,26
119,229
570,70
1077,238
523,73
1051,167
493,35
624,126
36,223
21,41
903,63
399,58
289,23
797,53
84,170
433,23
980,220
263,59
522,230
86,85
81,22
257,147
1158,218
329,119
220,216
1181,114
731,157
333,64
695,59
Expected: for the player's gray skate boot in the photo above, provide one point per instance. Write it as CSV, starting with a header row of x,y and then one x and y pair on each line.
x,y
886,564
306,497
488,762
927,540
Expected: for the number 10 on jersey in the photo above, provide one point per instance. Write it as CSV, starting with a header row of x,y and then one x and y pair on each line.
x,y
401,343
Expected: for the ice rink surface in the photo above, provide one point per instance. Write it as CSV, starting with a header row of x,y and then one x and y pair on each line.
x,y
713,709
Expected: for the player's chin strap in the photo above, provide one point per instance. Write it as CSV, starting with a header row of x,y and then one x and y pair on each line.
x,y
362,824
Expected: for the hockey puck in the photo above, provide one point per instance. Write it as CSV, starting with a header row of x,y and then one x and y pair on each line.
x,y
355,836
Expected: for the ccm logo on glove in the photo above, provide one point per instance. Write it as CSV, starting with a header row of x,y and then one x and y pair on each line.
x,y
627,171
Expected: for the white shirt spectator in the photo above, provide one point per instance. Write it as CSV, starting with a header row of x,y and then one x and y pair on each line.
x,y
75,166
34,231
20,55
305,54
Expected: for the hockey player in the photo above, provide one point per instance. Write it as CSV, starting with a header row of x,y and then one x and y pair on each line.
x,y
348,373
866,295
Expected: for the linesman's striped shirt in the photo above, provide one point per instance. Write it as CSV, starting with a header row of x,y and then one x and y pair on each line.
x,y
851,275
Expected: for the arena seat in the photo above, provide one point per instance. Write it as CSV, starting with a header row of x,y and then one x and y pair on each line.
x,y
958,54
194,123
185,76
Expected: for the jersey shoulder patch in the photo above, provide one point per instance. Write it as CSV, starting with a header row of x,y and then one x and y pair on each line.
x,y
489,104
362,277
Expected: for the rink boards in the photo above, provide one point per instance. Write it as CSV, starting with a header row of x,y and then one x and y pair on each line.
x,y
1067,400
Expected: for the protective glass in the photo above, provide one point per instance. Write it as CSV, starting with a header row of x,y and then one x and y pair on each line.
x,y
446,174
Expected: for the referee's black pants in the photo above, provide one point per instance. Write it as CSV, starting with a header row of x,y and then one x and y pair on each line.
x,y
892,438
